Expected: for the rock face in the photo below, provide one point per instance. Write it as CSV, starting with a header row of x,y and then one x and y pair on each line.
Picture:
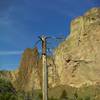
x,y
29,76
9,75
78,57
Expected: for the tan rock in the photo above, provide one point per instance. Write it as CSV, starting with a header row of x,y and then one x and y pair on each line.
x,y
78,58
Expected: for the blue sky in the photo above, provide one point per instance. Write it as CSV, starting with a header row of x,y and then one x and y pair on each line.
x,y
21,21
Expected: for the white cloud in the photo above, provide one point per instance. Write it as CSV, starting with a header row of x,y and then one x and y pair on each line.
x,y
9,64
11,52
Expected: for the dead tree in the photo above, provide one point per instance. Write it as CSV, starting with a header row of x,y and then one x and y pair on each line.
x,y
43,39
45,69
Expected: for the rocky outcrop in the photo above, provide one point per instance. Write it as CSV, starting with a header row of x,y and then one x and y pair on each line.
x,y
29,76
9,75
78,57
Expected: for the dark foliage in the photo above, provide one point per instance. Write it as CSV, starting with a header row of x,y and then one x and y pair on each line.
x,y
7,92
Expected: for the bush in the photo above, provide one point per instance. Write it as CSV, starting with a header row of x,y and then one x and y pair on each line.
x,y
87,98
75,95
7,92
64,95
52,98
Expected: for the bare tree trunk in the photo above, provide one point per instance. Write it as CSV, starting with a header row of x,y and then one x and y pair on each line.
x,y
45,70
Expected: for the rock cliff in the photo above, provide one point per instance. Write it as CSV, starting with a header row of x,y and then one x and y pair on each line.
x,y
78,57
29,76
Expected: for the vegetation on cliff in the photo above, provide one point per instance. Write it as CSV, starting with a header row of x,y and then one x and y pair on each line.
x,y
7,91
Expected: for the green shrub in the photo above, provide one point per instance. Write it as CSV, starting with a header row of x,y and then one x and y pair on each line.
x,y
75,95
52,98
7,92
64,95
87,98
